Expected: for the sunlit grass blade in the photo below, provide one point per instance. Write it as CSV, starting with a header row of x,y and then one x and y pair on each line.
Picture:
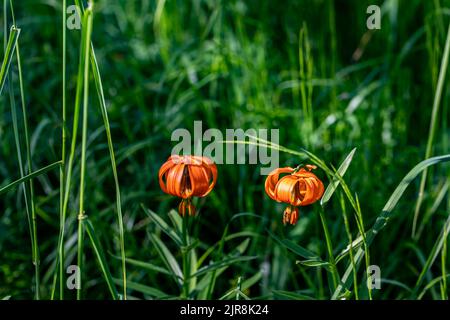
x,y
290,295
6,75
86,40
104,111
433,254
62,175
315,263
68,164
99,87
9,53
29,169
432,129
335,183
430,285
384,217
351,246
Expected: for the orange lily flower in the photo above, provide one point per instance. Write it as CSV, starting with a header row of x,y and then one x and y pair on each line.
x,y
187,177
300,187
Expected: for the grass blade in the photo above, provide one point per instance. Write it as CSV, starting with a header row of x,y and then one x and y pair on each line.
x,y
26,178
433,254
86,40
10,47
147,266
149,291
383,218
164,227
288,295
104,111
100,257
335,183
295,248
168,259
221,264
432,130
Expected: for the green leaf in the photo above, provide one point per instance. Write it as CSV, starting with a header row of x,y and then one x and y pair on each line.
x,y
102,102
100,258
251,281
383,218
437,247
150,291
10,48
295,248
177,221
167,258
147,265
164,226
286,295
335,183
355,244
314,263
223,263
240,249
431,284
29,177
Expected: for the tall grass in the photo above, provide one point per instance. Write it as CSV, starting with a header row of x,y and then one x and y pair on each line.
x,y
161,65
27,186
433,125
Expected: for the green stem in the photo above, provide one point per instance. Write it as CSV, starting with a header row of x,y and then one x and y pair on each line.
x,y
63,158
62,218
30,170
360,225
184,252
81,213
350,241
27,187
332,261
101,97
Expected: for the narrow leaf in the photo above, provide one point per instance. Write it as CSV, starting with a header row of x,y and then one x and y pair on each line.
x,y
100,258
295,248
383,218
335,183
167,258
29,176
164,226
10,48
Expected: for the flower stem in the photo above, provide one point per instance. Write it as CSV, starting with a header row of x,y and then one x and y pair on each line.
x,y
184,253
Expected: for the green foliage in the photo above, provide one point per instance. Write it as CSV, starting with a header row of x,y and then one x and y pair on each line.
x,y
309,68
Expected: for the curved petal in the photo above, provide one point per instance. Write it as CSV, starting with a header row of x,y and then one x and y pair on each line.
x,y
176,180
309,196
302,173
313,190
162,172
212,174
286,190
199,180
272,180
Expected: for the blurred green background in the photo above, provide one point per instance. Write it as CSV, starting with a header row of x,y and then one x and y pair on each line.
x,y
235,64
